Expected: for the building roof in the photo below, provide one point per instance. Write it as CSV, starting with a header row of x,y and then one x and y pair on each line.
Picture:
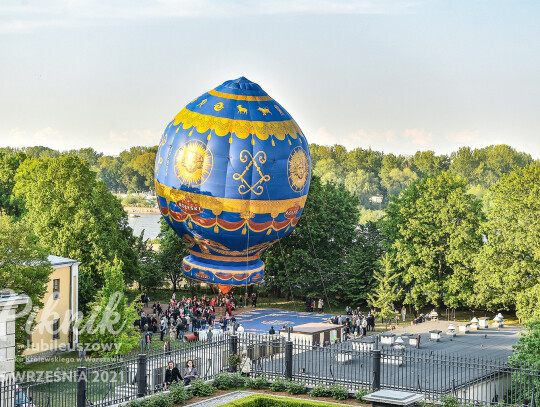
x,y
314,327
60,261
12,299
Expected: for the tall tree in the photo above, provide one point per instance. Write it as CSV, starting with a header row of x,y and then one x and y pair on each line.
x,y
111,321
432,232
171,252
324,251
24,269
387,290
75,216
509,263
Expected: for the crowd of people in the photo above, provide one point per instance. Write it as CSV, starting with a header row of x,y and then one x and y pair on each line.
x,y
187,314
356,324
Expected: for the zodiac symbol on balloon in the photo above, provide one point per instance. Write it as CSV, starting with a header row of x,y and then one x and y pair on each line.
x,y
202,103
218,106
241,109
264,110
256,188
279,110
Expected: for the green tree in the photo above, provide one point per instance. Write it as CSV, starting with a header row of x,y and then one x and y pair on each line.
x,y
151,273
427,163
9,204
144,165
111,321
172,251
24,269
75,216
324,251
387,290
432,232
328,170
362,184
509,263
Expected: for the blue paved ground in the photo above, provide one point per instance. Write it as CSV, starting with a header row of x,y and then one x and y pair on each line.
x,y
262,319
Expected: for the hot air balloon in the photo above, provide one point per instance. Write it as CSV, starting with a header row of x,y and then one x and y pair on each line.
x,y
232,175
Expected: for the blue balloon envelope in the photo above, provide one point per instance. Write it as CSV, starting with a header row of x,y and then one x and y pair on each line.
x,y
232,176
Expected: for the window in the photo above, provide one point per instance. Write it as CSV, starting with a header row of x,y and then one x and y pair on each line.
x,y
56,329
56,288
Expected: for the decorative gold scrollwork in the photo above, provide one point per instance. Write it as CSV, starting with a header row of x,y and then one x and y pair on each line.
x,y
256,188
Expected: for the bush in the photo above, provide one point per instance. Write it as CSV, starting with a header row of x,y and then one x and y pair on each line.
x,y
359,396
138,403
201,388
449,401
320,391
339,392
296,388
160,400
278,385
256,383
179,393
225,381
239,381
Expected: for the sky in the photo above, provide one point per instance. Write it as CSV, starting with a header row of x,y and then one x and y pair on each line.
x,y
395,76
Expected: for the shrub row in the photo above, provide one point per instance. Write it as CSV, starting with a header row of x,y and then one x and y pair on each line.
x,y
179,394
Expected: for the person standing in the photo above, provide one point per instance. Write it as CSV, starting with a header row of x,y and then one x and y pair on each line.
x,y
245,365
254,300
321,305
403,313
364,327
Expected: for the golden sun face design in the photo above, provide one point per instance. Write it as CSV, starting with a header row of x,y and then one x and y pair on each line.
x,y
298,169
193,163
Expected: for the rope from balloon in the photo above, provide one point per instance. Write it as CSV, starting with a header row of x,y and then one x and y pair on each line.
x,y
317,262
284,262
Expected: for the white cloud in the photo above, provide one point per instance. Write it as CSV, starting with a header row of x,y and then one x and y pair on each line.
x,y
419,137
473,139
323,137
47,136
467,137
119,141
26,17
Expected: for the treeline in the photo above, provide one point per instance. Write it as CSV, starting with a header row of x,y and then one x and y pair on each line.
x,y
367,173
364,172
132,171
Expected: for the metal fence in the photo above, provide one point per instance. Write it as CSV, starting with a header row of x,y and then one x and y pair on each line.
x,y
355,365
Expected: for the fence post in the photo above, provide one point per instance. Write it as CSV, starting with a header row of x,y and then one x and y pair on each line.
x,y
141,375
81,386
376,361
233,348
288,359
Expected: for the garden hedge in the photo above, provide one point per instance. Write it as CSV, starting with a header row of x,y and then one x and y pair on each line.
x,y
263,400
